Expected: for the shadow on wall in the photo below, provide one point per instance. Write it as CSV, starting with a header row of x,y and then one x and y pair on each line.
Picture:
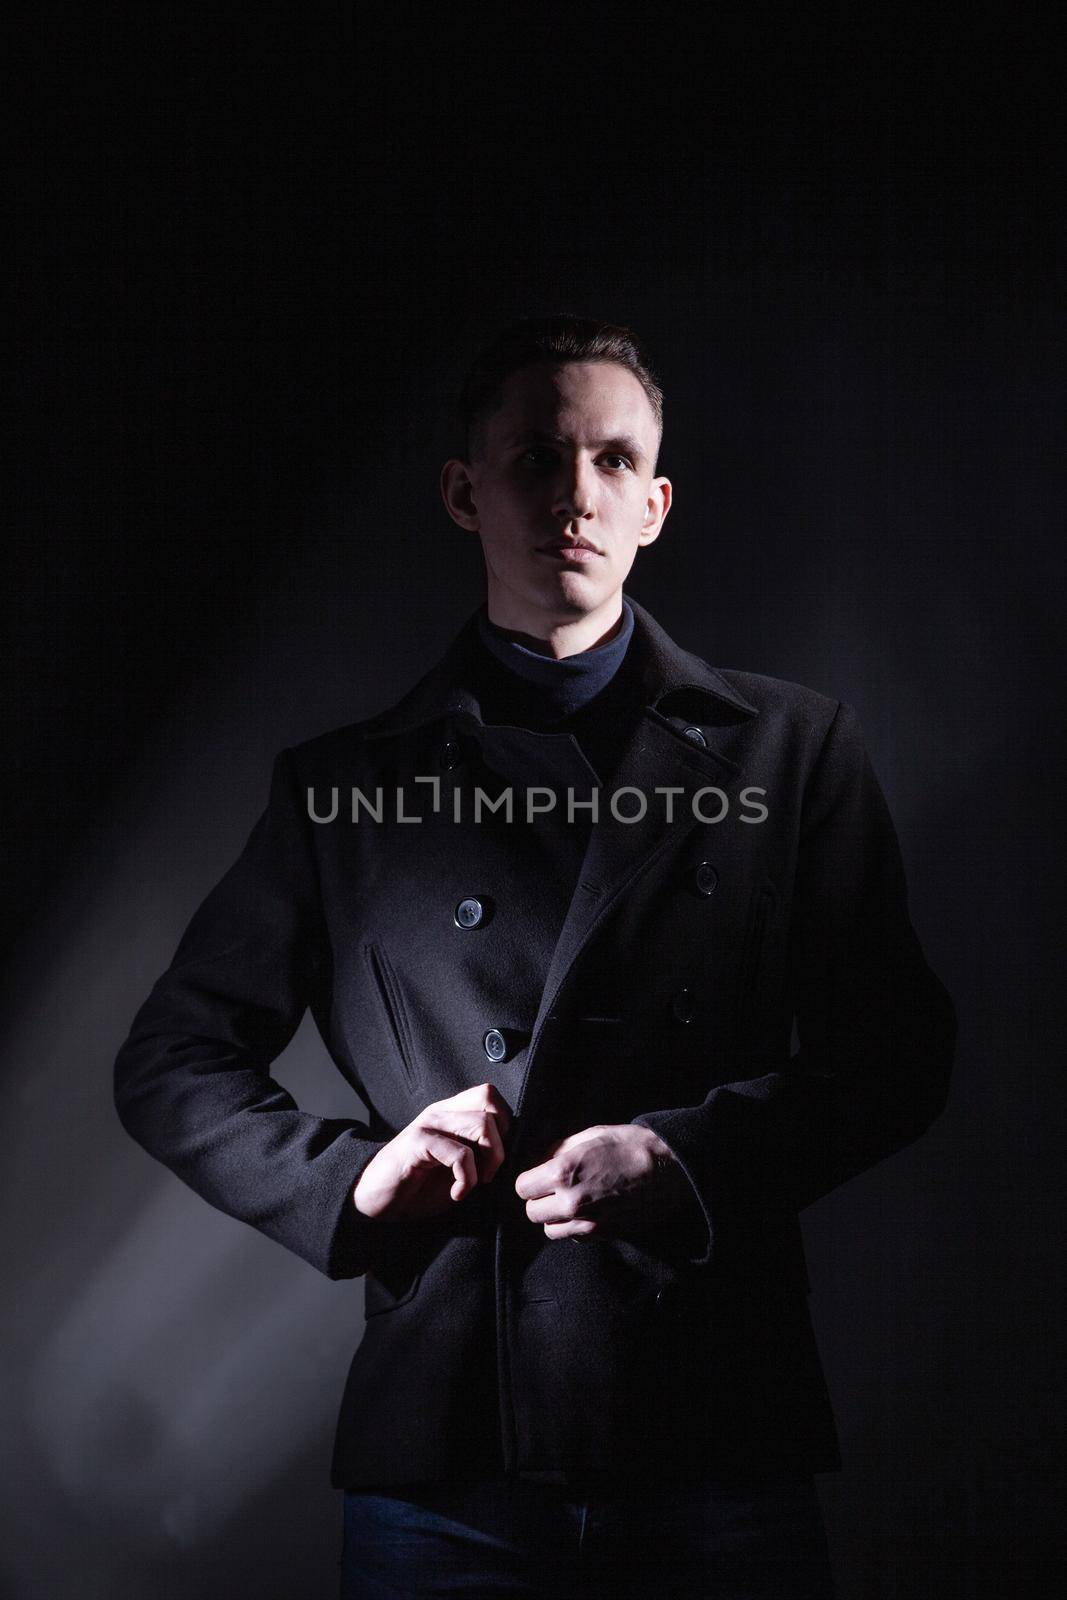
x,y
173,1376
182,1374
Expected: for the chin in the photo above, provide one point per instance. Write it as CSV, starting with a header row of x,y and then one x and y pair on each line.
x,y
577,598
581,594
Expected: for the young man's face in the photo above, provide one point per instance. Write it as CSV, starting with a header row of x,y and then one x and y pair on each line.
x,y
562,495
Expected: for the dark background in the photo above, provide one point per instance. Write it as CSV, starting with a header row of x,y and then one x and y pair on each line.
x,y
253,256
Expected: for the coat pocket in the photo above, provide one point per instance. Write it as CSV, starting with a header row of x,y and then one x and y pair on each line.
x,y
382,1295
391,999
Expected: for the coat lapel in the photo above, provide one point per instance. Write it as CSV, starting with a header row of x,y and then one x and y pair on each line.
x,y
659,756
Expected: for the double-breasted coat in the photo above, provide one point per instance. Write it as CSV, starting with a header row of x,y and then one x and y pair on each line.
x,y
749,986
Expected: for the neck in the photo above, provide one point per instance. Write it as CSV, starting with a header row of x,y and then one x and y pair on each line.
x,y
558,637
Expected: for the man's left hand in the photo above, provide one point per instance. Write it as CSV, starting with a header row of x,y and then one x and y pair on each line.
x,y
611,1179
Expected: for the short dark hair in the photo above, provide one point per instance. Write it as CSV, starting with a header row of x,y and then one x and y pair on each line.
x,y
552,340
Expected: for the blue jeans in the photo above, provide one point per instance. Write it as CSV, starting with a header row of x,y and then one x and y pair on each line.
x,y
514,1540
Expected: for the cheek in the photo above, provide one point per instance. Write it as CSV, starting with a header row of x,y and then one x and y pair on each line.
x,y
626,510
508,509
623,549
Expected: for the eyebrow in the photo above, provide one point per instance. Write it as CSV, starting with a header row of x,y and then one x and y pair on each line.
x,y
624,442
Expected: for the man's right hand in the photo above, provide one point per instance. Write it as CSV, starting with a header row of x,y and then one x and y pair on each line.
x,y
451,1146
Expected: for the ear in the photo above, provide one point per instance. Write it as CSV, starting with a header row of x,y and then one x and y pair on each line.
x,y
457,492
656,508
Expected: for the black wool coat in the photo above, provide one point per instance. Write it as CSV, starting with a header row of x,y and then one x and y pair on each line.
x,y
748,986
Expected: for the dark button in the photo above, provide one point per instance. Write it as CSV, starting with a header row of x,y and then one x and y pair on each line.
x,y
451,754
705,878
684,1005
469,913
495,1045
695,736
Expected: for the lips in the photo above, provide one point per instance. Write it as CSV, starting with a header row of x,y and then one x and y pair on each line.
x,y
560,547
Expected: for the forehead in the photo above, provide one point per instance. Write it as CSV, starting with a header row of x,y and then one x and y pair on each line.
x,y
582,400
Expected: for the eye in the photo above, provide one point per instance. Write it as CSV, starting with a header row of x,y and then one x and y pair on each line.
x,y
536,455
613,456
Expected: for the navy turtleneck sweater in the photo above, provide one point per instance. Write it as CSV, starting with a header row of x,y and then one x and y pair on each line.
x,y
591,695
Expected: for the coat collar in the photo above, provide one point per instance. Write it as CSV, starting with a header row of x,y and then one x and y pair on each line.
x,y
666,670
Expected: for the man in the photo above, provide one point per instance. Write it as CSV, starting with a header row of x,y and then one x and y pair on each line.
x,y
559,914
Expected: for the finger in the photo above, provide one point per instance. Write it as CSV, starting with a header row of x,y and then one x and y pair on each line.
x,y
549,1173
448,1152
480,1097
571,1230
483,1128
495,1142
536,1182
495,1102
560,1207
466,1173
480,1131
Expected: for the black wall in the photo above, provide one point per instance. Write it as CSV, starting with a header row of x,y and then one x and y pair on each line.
x,y
252,256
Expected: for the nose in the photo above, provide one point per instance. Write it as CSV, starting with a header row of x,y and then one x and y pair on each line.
x,y
575,496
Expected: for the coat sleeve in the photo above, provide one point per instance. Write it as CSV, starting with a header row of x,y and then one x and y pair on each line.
x,y
876,1028
191,1081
